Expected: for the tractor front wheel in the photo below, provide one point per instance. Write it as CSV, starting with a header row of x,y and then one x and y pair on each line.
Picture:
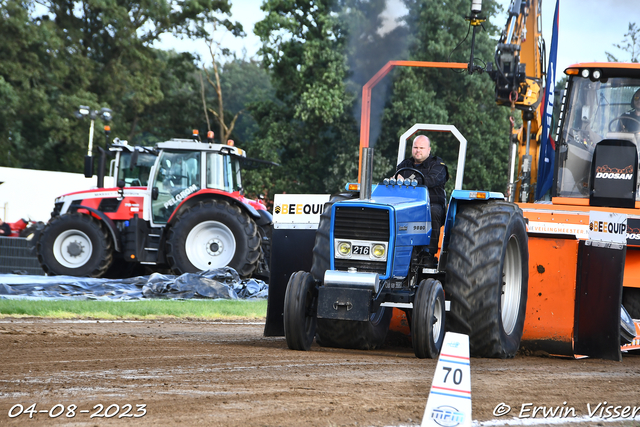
x,y
427,319
75,245
212,235
300,303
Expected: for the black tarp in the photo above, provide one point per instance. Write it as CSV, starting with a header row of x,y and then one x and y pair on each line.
x,y
222,283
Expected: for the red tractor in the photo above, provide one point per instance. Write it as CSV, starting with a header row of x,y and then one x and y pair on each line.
x,y
178,206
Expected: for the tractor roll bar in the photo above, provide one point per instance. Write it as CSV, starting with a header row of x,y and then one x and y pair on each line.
x,y
462,151
365,116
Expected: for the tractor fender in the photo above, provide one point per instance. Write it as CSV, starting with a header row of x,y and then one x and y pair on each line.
x,y
464,196
209,195
265,219
113,230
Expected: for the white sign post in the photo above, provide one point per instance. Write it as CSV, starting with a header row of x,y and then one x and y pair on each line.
x,y
449,403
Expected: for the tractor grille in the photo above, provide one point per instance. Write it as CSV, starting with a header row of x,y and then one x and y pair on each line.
x,y
361,224
56,209
110,204
379,267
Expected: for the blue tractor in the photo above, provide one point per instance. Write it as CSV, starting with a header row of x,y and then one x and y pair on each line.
x,y
369,258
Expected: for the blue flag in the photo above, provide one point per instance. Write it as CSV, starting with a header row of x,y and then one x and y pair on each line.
x,y
547,156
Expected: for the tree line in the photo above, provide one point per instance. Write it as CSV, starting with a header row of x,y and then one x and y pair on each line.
x,y
298,104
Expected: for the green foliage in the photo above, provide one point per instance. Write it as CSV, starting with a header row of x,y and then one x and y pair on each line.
x,y
146,309
300,107
450,96
96,53
320,55
310,122
630,44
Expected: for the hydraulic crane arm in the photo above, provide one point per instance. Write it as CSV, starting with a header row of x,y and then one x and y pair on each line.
x,y
519,68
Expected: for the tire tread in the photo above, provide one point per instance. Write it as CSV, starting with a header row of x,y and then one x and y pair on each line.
x,y
474,277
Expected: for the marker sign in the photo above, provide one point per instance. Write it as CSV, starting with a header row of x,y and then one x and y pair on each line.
x,y
449,403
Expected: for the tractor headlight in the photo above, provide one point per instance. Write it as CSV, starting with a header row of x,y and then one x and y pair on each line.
x,y
378,251
344,248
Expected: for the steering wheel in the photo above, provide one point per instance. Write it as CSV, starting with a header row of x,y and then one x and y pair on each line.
x,y
424,180
621,119
172,180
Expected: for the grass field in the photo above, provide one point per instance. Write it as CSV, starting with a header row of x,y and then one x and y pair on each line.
x,y
151,309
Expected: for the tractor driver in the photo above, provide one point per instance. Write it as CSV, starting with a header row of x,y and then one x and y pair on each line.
x,y
630,121
436,175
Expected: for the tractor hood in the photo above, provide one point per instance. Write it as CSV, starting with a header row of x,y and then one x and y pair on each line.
x,y
396,216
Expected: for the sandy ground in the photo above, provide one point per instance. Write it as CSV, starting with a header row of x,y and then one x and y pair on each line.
x,y
228,374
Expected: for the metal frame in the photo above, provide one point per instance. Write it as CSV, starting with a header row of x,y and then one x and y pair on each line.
x,y
462,151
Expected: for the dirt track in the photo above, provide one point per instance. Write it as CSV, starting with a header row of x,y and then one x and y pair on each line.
x,y
228,374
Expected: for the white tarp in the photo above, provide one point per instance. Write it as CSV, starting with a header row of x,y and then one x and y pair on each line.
x,y
30,194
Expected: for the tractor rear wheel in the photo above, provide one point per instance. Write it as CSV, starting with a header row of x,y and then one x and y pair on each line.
x,y
300,302
75,245
427,319
343,333
322,248
487,277
211,235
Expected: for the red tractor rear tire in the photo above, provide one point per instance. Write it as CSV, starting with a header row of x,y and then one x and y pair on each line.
x,y
212,235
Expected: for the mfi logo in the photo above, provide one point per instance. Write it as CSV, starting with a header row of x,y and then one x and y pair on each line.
x,y
299,209
605,172
447,416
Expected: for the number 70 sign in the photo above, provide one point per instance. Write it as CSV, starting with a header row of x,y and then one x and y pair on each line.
x,y
449,403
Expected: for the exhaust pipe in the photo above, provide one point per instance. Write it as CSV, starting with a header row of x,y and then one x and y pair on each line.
x,y
367,170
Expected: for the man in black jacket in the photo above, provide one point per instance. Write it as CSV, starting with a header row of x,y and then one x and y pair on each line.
x,y
630,121
436,175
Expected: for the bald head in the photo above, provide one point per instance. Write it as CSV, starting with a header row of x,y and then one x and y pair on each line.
x,y
421,148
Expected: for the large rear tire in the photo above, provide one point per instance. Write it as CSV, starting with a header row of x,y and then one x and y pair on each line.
x,y
211,235
263,268
321,260
75,245
344,333
299,314
487,277
427,319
